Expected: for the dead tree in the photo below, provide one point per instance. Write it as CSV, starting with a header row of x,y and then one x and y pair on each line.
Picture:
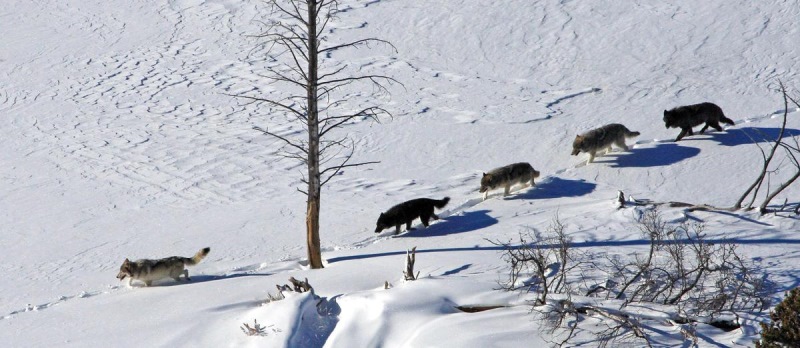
x,y
310,93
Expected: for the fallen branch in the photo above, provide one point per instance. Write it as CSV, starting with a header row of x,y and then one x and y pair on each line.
x,y
690,207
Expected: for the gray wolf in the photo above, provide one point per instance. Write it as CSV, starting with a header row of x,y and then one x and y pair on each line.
x,y
147,270
686,117
506,176
406,212
602,138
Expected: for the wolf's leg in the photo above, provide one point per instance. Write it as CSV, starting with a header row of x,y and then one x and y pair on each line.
x,y
591,157
130,282
683,133
397,229
408,226
434,216
621,144
703,130
424,220
507,190
485,194
148,282
533,183
186,275
715,125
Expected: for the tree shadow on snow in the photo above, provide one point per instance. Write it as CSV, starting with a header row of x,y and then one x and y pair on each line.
x,y
751,135
463,222
555,187
419,251
457,270
663,154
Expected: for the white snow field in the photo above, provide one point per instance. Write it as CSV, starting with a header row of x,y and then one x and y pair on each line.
x,y
118,139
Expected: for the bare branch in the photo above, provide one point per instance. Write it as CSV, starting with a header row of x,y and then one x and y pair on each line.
x,y
323,76
761,176
271,102
296,15
373,78
338,168
362,42
371,112
285,140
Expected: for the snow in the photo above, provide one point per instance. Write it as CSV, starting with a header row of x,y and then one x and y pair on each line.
x,y
118,139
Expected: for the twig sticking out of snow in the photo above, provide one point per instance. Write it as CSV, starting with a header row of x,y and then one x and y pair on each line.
x,y
255,330
411,256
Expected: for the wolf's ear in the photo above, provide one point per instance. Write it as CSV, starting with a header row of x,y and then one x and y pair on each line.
x,y
484,174
126,260
380,216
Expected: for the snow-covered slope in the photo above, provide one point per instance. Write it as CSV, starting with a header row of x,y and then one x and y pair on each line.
x,y
118,139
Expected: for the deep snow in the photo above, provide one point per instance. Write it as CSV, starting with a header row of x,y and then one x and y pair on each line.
x,y
119,140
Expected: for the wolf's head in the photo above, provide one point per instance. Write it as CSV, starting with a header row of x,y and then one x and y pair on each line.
x,y
382,223
577,145
125,270
670,119
487,182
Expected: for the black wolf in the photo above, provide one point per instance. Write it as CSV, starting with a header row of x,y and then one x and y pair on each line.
x,y
686,117
406,212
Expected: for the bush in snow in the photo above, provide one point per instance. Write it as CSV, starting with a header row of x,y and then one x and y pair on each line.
x,y
547,256
701,280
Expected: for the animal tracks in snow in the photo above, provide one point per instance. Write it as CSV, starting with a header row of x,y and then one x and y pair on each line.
x,y
62,299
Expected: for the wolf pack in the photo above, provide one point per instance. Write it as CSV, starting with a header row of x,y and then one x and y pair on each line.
x,y
522,173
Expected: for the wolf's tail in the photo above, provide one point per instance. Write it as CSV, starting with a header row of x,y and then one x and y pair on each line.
x,y
631,134
191,261
726,120
441,203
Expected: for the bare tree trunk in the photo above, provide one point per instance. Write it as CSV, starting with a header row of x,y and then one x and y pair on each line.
x,y
314,189
315,98
312,233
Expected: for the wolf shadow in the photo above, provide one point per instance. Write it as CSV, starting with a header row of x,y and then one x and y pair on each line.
x,y
751,135
555,187
662,154
464,222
